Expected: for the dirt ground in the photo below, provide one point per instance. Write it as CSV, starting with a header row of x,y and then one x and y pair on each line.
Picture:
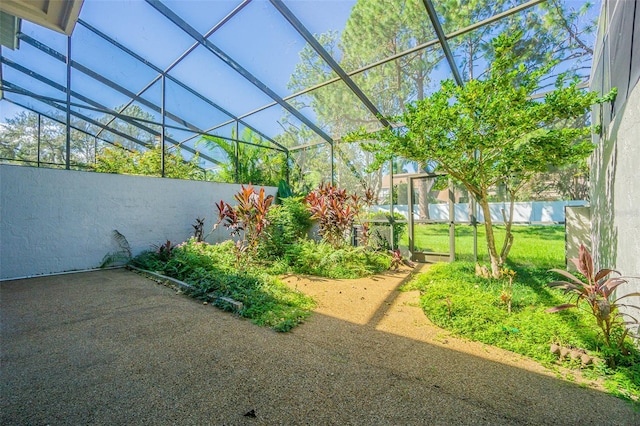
x,y
113,347
376,302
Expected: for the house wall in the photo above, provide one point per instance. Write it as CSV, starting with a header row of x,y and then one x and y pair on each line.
x,y
59,220
615,194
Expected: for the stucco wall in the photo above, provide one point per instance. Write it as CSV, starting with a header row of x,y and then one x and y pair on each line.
x,y
58,220
626,204
577,232
615,191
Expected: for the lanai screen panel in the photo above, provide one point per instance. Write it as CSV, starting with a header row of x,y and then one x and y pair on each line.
x,y
296,76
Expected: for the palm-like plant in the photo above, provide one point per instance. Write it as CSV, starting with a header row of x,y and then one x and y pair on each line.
x,y
335,211
597,290
248,218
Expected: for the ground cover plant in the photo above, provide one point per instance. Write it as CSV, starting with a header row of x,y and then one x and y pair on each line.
x,y
269,240
456,299
211,270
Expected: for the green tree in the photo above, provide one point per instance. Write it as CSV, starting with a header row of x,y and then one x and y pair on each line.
x,y
491,131
147,162
19,140
256,162
378,29
137,115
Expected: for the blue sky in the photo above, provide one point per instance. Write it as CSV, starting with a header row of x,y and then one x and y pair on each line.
x,y
258,38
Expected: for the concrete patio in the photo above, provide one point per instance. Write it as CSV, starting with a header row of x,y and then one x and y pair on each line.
x,y
112,347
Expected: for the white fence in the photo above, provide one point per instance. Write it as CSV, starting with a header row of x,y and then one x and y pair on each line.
x,y
523,212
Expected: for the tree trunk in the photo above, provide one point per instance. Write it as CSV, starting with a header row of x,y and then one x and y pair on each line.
x,y
508,238
491,241
423,188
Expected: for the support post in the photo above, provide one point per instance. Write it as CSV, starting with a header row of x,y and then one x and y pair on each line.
x,y
39,136
236,155
162,132
392,217
333,178
410,227
68,109
452,222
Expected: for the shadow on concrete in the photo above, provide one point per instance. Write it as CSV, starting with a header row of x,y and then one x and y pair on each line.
x,y
112,347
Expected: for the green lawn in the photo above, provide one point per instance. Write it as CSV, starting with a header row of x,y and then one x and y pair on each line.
x,y
474,308
540,246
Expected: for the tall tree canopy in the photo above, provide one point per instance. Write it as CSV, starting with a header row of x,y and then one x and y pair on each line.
x,y
378,29
491,131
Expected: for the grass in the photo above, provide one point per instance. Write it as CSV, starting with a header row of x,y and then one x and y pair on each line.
x,y
211,269
539,246
471,307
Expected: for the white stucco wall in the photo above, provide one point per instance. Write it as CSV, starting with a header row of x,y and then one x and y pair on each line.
x,y
57,220
626,207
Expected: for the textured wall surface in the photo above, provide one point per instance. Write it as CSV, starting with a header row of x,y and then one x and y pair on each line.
x,y
626,206
58,220
615,191
577,232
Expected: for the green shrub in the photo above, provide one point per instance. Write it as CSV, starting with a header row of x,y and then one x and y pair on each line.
x,y
321,259
379,232
288,222
210,269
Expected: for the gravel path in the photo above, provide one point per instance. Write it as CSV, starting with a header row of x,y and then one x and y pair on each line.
x,y
112,347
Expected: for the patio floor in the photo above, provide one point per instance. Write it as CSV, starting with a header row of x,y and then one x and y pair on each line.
x,y
112,347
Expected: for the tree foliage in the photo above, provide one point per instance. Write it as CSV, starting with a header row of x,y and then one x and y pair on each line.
x,y
147,162
19,140
378,29
256,163
491,131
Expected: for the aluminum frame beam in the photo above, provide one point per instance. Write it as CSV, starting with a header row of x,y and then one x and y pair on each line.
x,y
161,72
57,120
417,48
433,16
229,61
125,118
313,42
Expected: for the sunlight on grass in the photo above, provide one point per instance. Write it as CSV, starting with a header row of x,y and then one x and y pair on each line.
x,y
454,298
542,246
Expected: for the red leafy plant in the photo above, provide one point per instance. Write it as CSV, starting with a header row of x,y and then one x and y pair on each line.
x,y
247,219
397,260
335,210
597,290
165,251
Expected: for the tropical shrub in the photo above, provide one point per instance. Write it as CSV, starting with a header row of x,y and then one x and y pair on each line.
x,y
322,259
289,221
597,291
335,211
248,219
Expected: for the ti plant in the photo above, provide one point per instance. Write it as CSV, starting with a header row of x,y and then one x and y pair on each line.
x,y
248,219
597,290
367,200
397,260
198,229
165,251
335,211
